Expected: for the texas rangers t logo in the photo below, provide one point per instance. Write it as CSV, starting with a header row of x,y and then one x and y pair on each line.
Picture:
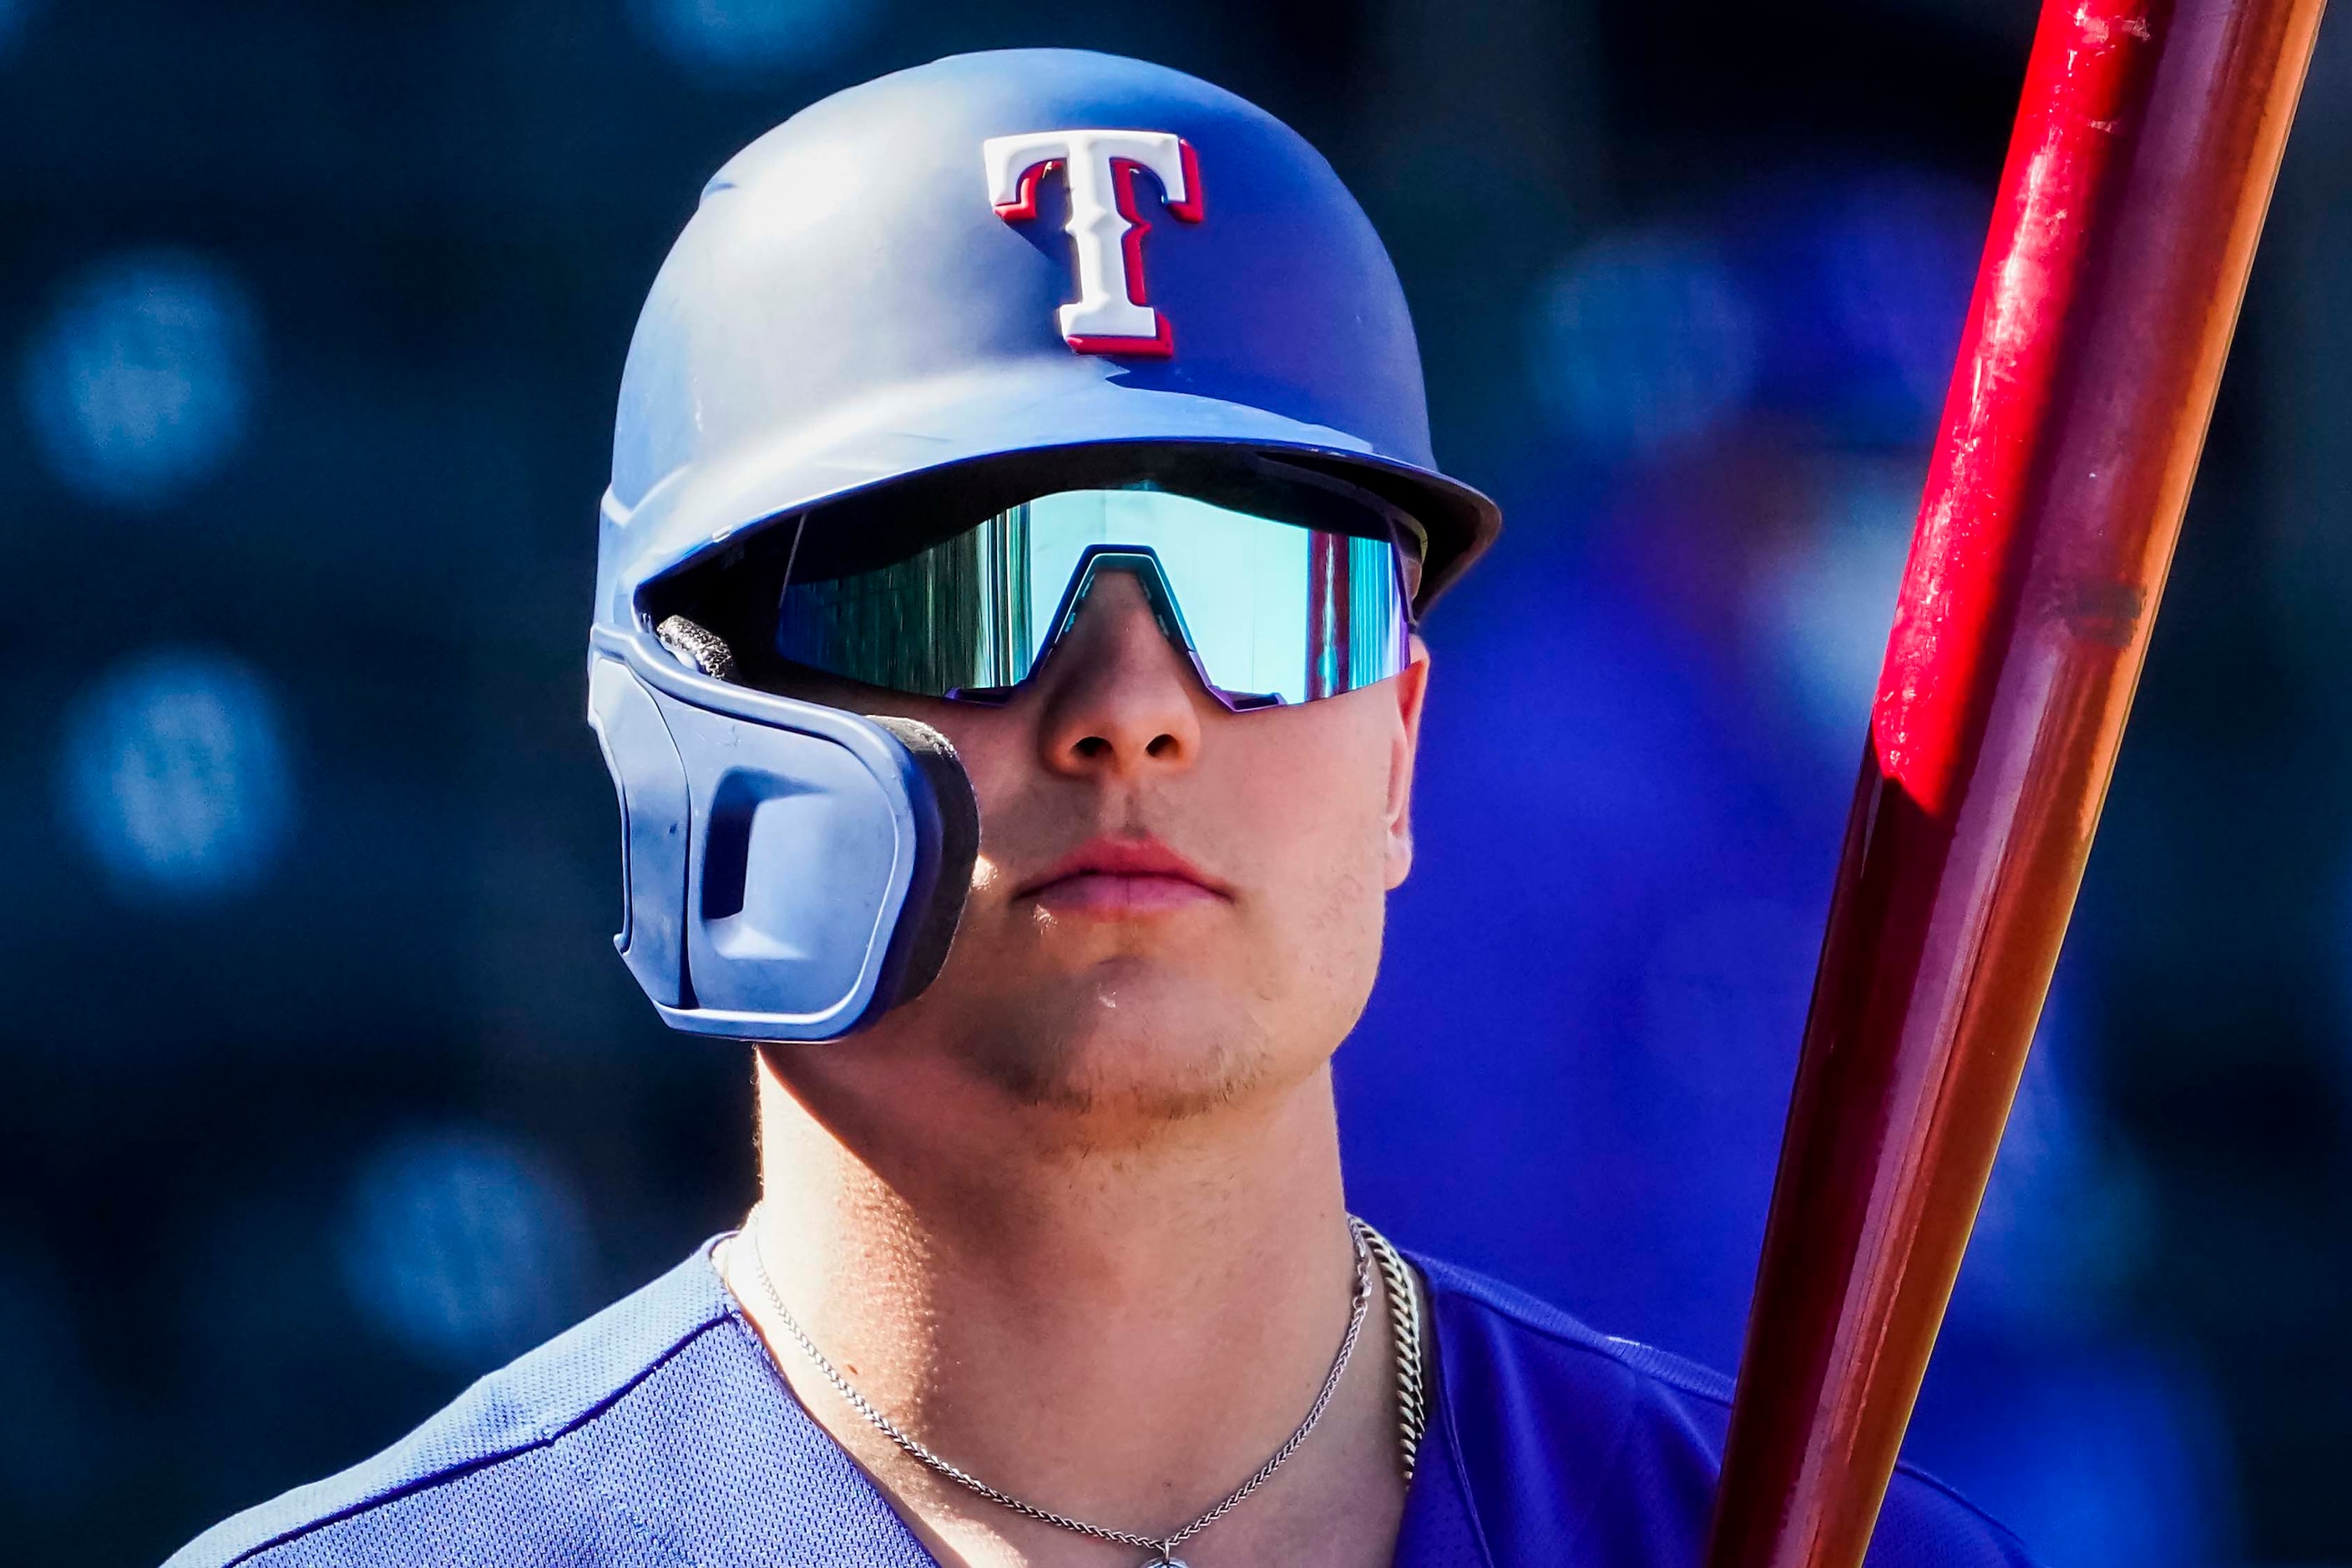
x,y
1113,314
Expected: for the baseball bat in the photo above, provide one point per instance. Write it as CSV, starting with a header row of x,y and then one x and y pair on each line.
x,y
2147,143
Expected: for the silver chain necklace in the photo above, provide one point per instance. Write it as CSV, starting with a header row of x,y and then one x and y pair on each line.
x,y
1372,1253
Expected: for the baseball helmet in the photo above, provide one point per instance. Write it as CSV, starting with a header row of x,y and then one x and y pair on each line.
x,y
875,301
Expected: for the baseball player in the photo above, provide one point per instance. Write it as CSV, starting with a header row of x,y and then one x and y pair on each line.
x,y
1004,648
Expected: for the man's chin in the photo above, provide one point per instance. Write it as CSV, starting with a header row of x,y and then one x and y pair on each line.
x,y
1146,1069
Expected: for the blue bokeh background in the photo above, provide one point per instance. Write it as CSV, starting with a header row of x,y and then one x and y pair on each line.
x,y
326,1093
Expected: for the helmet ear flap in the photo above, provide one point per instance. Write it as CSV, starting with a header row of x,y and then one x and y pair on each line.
x,y
919,949
790,871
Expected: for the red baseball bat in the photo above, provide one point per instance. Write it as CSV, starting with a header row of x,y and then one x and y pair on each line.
x,y
2147,143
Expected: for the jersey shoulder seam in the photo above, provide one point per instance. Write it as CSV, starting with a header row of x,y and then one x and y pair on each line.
x,y
461,1468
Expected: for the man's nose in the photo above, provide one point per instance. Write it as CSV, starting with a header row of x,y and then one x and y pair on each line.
x,y
1120,698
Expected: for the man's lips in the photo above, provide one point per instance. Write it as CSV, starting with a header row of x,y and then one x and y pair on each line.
x,y
1122,876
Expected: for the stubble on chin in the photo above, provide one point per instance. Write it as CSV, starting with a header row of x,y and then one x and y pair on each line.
x,y
1117,1079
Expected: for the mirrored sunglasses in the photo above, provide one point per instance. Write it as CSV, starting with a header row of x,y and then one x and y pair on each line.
x,y
1270,612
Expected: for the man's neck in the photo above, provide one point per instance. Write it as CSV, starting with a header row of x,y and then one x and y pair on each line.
x,y
1121,1334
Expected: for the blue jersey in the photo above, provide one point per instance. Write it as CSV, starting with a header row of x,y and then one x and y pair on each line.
x,y
658,1433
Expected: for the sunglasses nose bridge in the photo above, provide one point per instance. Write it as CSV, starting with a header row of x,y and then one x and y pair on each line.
x,y
1139,563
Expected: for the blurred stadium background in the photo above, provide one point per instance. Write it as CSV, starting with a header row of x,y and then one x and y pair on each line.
x,y
324,1091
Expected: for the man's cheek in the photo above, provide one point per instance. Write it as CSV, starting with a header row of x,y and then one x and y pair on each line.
x,y
996,778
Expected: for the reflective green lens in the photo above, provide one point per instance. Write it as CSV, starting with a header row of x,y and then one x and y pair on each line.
x,y
1270,611
954,616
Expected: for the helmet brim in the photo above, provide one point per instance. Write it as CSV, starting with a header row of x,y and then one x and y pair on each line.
x,y
713,505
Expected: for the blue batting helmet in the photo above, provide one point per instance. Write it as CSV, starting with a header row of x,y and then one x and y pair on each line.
x,y
869,296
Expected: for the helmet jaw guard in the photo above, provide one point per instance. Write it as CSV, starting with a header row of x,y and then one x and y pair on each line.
x,y
789,871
